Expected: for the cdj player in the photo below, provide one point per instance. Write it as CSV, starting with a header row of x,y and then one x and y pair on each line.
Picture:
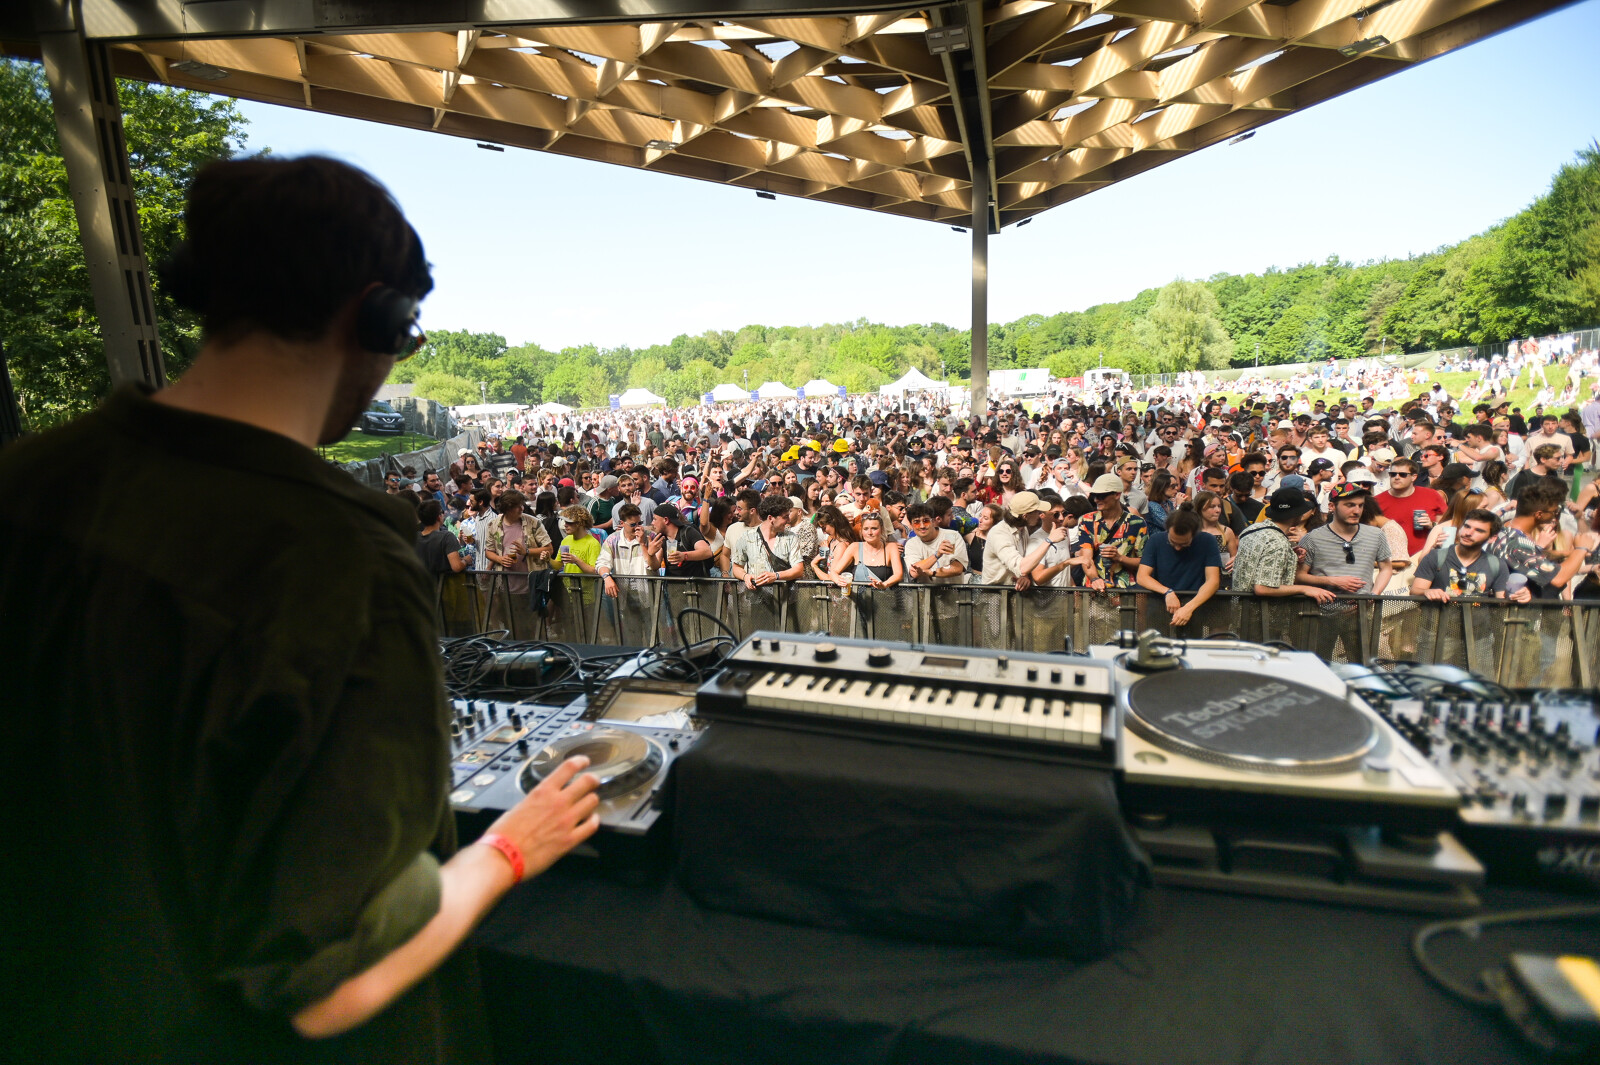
x,y
631,731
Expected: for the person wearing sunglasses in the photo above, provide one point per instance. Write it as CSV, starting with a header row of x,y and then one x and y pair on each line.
x,y
273,858
1348,558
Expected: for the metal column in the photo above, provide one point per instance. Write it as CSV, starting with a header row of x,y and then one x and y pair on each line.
x,y
980,286
83,93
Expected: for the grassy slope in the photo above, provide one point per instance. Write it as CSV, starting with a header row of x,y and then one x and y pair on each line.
x,y
359,446
1456,384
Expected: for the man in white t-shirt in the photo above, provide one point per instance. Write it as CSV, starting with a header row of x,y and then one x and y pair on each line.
x,y
933,555
1320,446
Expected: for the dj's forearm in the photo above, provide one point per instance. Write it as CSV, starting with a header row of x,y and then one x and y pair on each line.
x,y
469,885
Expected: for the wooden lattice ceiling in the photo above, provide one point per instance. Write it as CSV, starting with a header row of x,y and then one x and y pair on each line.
x,y
856,110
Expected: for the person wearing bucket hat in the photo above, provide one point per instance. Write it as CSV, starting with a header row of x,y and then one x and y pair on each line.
x,y
1111,540
1009,553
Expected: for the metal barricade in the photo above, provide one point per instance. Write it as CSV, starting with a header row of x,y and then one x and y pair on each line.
x,y
1539,644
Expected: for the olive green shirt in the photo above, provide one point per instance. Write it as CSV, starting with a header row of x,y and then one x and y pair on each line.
x,y
228,746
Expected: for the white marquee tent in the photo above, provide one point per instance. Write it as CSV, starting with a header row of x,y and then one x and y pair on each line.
x,y
730,393
640,397
775,390
913,381
820,386
553,408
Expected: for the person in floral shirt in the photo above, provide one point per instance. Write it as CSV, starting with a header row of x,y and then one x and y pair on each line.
x,y
1111,540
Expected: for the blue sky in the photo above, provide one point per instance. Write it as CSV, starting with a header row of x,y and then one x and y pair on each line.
x,y
562,252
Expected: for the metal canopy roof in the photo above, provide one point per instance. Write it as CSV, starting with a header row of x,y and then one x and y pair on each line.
x,y
853,108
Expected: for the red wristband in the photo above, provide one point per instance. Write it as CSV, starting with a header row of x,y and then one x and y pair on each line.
x,y
507,848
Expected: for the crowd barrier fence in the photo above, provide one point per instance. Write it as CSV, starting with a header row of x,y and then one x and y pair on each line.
x,y
1544,643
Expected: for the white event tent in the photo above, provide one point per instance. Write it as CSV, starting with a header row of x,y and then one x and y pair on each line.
x,y
775,390
640,397
914,381
730,393
553,408
820,386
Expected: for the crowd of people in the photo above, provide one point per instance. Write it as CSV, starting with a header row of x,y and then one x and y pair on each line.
x,y
1279,495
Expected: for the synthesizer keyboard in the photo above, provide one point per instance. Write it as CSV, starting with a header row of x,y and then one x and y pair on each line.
x,y
1049,706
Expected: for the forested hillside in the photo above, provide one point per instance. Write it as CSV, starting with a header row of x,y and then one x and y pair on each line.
x,y
1537,272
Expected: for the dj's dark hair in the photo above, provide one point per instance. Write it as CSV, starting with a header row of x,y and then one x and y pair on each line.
x,y
429,512
280,245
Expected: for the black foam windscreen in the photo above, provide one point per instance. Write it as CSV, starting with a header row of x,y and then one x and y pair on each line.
x,y
383,323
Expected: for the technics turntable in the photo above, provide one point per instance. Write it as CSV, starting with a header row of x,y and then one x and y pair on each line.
x,y
1250,768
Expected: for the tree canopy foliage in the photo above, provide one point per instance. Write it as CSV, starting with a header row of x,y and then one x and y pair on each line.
x,y
47,319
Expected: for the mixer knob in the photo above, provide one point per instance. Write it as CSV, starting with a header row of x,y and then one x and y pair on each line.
x,y
522,748
1003,661
1555,804
772,645
1519,803
1055,676
1033,674
825,652
1080,678
1589,807
879,656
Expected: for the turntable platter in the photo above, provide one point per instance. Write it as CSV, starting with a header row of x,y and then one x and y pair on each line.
x,y
1249,721
622,760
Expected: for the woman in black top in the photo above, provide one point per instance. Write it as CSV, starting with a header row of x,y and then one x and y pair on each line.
x,y
544,508
978,537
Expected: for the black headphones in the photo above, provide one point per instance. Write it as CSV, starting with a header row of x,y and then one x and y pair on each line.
x,y
385,320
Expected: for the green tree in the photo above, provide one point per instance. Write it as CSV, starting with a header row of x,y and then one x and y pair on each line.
x,y
47,318
446,388
1183,330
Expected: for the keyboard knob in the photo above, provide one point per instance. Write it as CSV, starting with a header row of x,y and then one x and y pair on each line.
x,y
772,645
825,652
1080,677
1003,661
1033,674
879,656
1055,676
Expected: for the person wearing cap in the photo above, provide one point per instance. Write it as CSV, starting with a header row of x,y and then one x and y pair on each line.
x,y
1347,557
603,504
676,548
1111,540
1268,556
1007,557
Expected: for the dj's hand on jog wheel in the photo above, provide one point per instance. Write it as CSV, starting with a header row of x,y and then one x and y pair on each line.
x,y
554,817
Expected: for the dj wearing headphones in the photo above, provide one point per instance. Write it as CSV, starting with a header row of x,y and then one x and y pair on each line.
x,y
228,756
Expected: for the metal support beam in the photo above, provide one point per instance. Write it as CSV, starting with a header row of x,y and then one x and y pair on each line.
x,y
980,288
83,93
